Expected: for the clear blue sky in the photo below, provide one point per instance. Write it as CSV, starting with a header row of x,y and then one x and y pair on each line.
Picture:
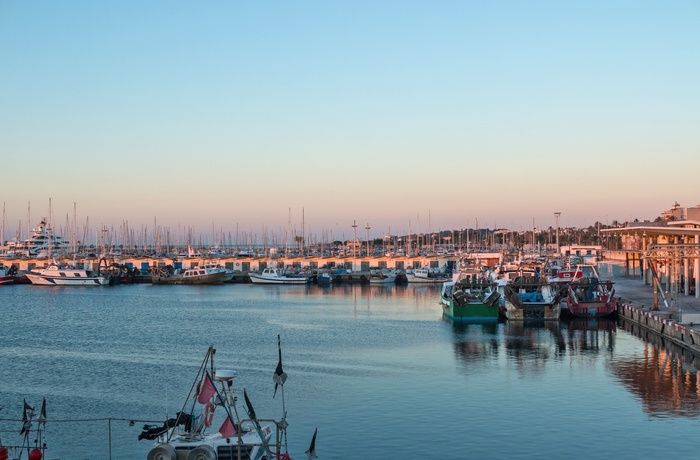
x,y
437,113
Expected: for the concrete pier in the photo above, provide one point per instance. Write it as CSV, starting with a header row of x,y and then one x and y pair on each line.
x,y
678,322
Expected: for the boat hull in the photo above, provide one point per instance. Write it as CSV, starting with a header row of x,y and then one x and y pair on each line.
x,y
209,278
421,280
46,280
470,312
257,279
591,309
533,311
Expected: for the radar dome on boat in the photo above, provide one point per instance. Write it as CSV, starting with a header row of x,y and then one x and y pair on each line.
x,y
224,375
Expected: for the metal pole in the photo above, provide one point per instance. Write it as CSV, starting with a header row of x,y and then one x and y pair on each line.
x,y
556,216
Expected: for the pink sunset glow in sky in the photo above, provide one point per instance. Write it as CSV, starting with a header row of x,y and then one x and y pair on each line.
x,y
392,114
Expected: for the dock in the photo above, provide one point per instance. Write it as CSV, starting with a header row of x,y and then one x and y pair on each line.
x,y
676,322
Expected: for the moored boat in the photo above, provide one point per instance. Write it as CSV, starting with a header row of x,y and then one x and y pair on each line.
x,y
190,435
380,277
426,276
324,278
66,275
590,297
194,275
8,275
531,298
470,300
276,276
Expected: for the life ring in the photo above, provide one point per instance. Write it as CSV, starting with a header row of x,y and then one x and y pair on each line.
x,y
208,414
238,263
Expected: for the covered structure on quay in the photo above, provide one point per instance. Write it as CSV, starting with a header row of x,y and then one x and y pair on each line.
x,y
669,255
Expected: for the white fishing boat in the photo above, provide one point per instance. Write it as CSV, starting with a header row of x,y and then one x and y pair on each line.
x,y
382,277
276,276
228,274
212,403
66,275
426,276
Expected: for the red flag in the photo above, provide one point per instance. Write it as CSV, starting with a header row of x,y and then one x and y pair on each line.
x,y
227,429
207,390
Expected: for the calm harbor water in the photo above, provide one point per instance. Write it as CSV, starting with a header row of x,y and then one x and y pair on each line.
x,y
376,369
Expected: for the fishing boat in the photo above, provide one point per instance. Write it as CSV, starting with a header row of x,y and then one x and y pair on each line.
x,y
8,275
228,274
276,276
28,434
532,298
382,277
324,278
193,275
470,300
212,402
426,276
588,296
66,275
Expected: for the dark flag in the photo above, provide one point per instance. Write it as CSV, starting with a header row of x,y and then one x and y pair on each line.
x,y
27,414
311,453
280,376
42,414
28,409
251,411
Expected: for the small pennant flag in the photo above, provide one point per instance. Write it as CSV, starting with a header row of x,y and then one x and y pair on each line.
x,y
251,411
29,410
280,376
27,422
311,453
207,390
42,415
227,429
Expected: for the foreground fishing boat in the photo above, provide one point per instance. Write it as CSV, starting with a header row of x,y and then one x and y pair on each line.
x,y
29,436
188,436
470,300
528,298
65,275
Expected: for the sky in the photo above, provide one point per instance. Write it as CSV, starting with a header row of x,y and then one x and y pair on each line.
x,y
396,115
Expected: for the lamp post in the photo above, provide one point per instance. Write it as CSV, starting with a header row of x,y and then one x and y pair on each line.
x,y
556,217
367,228
354,244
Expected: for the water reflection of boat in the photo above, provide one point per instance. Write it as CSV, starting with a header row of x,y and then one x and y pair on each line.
x,y
589,335
536,340
475,341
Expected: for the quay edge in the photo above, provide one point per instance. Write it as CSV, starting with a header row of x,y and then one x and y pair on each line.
x,y
680,326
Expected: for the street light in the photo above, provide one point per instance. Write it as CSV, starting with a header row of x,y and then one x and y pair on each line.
x,y
556,216
367,228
